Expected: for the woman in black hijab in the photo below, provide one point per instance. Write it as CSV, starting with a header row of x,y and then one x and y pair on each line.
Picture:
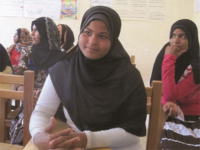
x,y
46,52
178,66
5,66
189,57
46,49
102,93
4,59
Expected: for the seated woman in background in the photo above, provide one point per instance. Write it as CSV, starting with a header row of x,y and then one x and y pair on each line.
x,y
66,37
20,51
102,93
45,49
19,55
45,52
66,45
178,66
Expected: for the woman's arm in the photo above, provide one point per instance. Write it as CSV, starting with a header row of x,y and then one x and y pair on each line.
x,y
42,122
171,90
46,107
112,138
116,138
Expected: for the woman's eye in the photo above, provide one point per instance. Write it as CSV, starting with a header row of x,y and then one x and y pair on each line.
x,y
103,36
183,37
173,36
87,32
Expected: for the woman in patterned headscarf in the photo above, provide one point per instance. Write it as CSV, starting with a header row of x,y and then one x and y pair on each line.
x,y
19,55
46,49
20,50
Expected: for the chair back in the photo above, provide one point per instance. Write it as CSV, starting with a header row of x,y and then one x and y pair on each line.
x,y
27,80
157,117
133,60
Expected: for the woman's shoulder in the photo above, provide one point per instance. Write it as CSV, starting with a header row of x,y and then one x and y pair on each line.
x,y
130,74
68,57
10,49
131,69
64,62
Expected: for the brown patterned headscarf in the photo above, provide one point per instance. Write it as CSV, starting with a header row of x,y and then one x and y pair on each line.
x,y
24,39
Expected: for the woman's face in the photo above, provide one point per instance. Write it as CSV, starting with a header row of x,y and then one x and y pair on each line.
x,y
35,36
179,39
94,41
15,38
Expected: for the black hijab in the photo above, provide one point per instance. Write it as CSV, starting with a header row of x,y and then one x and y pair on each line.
x,y
18,34
105,93
67,37
192,56
4,59
47,52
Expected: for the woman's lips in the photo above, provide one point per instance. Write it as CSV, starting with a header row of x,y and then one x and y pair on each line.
x,y
92,49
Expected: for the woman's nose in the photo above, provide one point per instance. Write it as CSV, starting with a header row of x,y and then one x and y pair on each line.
x,y
93,39
176,39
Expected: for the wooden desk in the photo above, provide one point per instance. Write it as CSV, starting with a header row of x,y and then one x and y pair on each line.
x,y
58,127
31,146
6,146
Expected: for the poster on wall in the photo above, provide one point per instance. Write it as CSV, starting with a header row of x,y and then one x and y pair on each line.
x,y
197,6
42,8
101,2
11,8
156,10
147,10
69,9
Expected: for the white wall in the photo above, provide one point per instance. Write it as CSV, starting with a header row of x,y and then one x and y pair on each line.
x,y
143,39
196,19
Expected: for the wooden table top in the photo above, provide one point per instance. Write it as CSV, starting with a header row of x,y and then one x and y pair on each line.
x,y
31,146
58,127
6,146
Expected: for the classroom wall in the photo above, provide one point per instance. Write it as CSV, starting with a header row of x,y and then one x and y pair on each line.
x,y
143,39
196,19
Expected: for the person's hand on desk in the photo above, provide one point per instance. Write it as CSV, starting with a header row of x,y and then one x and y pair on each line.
x,y
64,140
170,109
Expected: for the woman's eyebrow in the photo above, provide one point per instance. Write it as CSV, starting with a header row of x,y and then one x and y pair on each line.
x,y
88,28
183,34
105,33
179,34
